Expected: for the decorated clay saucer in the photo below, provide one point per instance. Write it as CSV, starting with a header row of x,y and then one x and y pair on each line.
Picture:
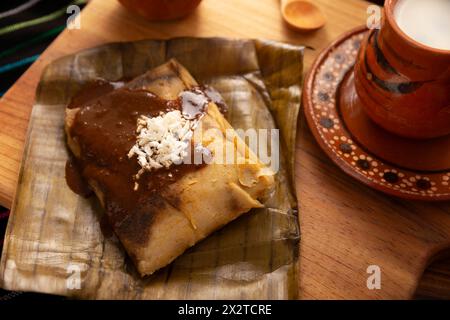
x,y
403,167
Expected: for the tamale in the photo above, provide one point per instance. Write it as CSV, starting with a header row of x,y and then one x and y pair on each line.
x,y
167,210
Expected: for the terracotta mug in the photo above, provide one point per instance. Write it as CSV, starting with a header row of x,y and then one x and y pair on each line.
x,y
158,10
403,85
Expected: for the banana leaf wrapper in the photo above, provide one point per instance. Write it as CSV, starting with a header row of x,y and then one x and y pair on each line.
x,y
55,242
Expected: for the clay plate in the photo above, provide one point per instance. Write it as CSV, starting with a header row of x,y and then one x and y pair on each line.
x,y
406,168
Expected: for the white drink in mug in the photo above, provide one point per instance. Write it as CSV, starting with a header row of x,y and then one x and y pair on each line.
x,y
425,21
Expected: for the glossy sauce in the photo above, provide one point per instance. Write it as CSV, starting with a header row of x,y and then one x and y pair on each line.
x,y
215,97
75,181
93,90
105,129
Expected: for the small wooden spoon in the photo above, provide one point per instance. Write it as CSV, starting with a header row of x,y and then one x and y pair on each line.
x,y
302,15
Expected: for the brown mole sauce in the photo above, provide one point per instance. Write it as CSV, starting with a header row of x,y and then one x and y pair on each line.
x,y
74,179
215,97
91,90
105,129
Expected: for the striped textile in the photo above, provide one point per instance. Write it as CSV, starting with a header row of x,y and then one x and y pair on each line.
x,y
4,214
27,27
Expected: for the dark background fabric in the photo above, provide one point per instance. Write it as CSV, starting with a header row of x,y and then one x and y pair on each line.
x,y
18,49
21,44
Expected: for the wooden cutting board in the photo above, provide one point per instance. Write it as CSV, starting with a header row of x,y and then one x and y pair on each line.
x,y
346,227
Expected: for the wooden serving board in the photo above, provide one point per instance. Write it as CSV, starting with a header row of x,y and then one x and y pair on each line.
x,y
345,226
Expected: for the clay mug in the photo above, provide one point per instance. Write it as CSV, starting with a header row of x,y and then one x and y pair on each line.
x,y
159,10
403,85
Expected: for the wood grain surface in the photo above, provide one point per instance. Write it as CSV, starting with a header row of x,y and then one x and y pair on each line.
x,y
345,226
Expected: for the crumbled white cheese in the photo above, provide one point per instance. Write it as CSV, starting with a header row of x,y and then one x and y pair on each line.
x,y
161,141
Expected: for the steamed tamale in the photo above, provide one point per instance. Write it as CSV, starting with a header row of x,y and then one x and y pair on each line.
x,y
157,206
